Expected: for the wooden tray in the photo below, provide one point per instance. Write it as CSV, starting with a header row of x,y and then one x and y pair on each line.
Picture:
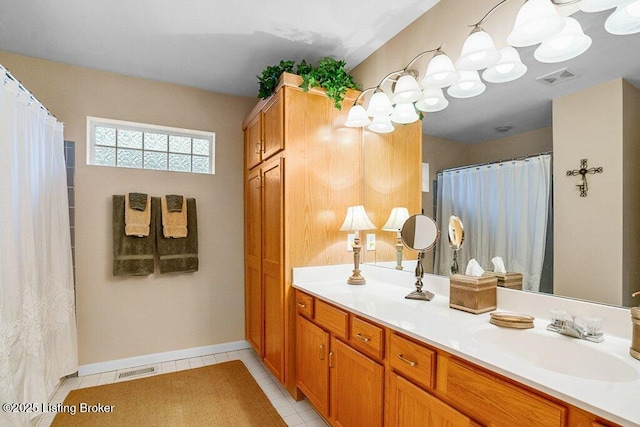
x,y
512,320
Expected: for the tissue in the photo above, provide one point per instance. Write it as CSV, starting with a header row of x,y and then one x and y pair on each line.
x,y
474,269
498,265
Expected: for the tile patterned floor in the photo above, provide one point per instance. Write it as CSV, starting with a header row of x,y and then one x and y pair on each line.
x,y
299,414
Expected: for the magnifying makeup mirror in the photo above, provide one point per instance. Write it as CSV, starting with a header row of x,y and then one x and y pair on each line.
x,y
420,233
456,238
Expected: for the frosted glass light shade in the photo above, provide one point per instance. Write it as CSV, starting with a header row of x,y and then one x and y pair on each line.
x,y
357,117
357,220
600,5
508,68
440,71
537,20
379,104
625,19
478,52
567,44
404,113
433,100
406,90
396,220
468,86
381,124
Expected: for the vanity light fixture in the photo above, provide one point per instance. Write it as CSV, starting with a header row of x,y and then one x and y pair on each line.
x,y
625,20
440,71
567,44
381,124
433,100
404,113
508,68
396,220
356,221
478,51
357,117
591,6
468,86
537,20
406,90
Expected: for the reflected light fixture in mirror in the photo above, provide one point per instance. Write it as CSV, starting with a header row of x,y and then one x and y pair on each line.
x,y
396,220
356,220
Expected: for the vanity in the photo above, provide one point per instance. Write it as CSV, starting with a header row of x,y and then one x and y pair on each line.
x,y
368,356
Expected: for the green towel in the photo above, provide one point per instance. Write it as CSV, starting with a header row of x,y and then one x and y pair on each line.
x,y
138,201
177,255
132,255
174,203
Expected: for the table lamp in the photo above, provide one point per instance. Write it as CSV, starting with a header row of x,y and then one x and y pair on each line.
x,y
356,221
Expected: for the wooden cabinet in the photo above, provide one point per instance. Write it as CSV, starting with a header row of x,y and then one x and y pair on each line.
x,y
413,360
410,406
254,318
356,387
264,133
313,363
253,142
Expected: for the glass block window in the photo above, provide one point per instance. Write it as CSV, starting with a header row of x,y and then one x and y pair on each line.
x,y
143,146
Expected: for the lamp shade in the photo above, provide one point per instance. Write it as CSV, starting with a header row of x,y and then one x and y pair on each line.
x,y
404,113
357,117
433,100
508,68
600,5
478,51
396,220
567,44
468,86
536,21
406,90
379,104
381,124
357,220
440,71
625,19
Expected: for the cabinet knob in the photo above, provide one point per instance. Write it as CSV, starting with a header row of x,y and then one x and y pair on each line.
x,y
405,360
363,338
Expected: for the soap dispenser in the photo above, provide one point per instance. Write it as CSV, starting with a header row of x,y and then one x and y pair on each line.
x,y
635,340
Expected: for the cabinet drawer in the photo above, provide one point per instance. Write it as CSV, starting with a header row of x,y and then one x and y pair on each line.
x,y
332,319
367,337
493,400
413,360
304,304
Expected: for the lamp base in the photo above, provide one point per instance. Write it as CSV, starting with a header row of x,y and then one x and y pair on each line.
x,y
356,278
419,295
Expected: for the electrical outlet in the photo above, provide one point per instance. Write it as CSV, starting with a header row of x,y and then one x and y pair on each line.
x,y
350,238
371,242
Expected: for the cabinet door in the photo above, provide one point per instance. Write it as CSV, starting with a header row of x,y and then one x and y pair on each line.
x,y
312,364
254,318
253,141
410,406
273,127
272,266
356,387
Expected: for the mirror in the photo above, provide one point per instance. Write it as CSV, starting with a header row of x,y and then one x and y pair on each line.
x,y
516,119
420,233
456,238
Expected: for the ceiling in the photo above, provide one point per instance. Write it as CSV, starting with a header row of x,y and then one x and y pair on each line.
x,y
214,45
222,47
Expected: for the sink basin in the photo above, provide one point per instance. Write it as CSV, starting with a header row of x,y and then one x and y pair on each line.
x,y
558,353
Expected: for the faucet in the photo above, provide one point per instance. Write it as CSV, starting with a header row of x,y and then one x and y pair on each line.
x,y
572,329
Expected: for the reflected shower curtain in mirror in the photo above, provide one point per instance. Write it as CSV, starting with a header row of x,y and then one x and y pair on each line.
x,y
38,343
504,209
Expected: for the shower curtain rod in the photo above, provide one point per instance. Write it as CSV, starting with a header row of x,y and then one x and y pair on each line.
x,y
477,165
21,87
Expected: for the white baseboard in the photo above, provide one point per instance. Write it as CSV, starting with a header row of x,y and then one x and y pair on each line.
x,y
149,359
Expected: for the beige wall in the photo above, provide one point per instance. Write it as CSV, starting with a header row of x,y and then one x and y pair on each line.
x,y
588,125
522,144
125,317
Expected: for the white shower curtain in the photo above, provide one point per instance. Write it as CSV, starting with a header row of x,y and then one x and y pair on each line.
x,y
504,209
38,343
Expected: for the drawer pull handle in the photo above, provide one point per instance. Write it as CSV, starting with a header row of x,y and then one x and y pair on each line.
x,y
331,359
321,351
410,362
302,305
258,148
363,338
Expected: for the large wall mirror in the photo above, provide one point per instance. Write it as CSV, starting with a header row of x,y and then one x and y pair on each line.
x,y
591,244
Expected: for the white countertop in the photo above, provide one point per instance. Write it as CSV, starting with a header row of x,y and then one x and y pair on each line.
x,y
601,378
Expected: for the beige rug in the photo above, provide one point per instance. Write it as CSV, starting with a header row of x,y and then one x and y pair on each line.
x,y
218,395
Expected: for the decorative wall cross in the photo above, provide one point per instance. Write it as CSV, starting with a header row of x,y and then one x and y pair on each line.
x,y
583,171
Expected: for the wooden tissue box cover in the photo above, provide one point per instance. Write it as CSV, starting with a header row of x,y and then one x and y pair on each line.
x,y
507,280
473,294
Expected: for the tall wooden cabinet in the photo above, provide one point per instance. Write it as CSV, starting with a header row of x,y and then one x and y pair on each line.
x,y
303,169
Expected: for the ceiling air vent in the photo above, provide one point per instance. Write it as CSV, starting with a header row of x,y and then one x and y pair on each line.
x,y
557,77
